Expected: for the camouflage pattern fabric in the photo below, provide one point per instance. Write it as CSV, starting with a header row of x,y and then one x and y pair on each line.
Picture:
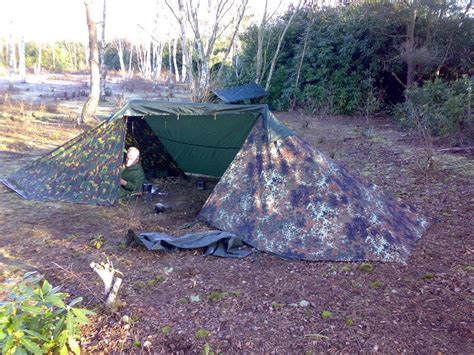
x,y
279,194
84,170
156,161
287,198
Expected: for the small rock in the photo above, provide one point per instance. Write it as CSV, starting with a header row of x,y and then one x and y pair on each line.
x,y
126,319
304,303
147,344
195,298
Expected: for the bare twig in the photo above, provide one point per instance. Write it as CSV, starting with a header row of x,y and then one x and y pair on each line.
x,y
457,149
398,80
79,279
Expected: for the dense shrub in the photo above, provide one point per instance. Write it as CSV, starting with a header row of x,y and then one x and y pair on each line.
x,y
358,51
36,319
441,108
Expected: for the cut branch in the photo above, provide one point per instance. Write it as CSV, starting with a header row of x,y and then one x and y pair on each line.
x,y
112,283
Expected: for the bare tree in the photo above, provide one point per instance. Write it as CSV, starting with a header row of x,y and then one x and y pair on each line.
x,y
180,15
410,44
238,19
175,50
37,68
119,46
130,62
88,111
217,12
70,47
259,70
170,62
22,63
53,54
159,47
183,64
103,67
280,41
12,53
144,59
305,44
74,56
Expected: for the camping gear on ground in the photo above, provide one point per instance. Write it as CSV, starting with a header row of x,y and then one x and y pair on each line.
x,y
161,207
217,243
201,184
276,192
147,188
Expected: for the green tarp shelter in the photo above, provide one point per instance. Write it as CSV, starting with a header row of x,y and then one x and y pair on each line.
x,y
240,93
276,192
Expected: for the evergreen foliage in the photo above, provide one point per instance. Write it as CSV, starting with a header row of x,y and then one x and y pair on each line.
x,y
358,51
36,319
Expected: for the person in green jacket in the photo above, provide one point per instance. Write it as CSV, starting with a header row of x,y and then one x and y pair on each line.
x,y
133,175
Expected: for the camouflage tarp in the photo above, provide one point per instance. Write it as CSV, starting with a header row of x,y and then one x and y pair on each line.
x,y
278,194
84,170
287,198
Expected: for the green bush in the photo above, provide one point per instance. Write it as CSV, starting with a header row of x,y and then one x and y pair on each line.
x,y
354,62
36,319
438,108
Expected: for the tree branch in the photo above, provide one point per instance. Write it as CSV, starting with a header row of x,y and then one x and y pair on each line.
x,y
398,80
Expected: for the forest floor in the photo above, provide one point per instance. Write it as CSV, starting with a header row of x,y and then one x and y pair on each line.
x,y
179,302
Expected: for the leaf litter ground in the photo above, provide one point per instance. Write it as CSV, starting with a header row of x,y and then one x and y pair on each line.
x,y
185,302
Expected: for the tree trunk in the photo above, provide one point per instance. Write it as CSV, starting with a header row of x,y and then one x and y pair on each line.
x,y
12,54
236,60
39,59
217,10
148,59
103,67
140,59
53,53
240,16
88,111
170,65
300,64
22,64
261,32
2,55
186,70
175,50
183,63
130,62
280,41
410,46
205,76
86,54
158,61
120,55
74,56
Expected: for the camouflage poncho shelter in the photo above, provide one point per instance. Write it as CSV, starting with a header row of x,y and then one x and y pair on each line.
x,y
276,192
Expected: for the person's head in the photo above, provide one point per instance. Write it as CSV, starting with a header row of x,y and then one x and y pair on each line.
x,y
133,156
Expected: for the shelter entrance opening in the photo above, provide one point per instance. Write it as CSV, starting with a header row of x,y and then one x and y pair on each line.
x,y
172,145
